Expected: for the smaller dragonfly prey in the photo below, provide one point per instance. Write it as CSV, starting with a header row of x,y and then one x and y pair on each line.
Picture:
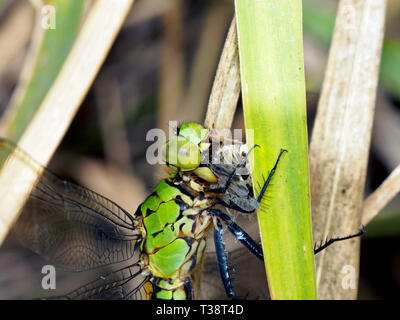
x,y
77,229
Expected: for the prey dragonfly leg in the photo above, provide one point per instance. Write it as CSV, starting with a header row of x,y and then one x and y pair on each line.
x,y
266,183
333,240
222,258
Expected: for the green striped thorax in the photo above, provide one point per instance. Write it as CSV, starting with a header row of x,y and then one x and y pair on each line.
x,y
183,152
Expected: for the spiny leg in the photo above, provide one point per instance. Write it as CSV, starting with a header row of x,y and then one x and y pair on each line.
x,y
222,258
332,240
266,183
240,235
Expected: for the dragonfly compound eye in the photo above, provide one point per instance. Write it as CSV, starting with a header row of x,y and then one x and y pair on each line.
x,y
193,132
182,154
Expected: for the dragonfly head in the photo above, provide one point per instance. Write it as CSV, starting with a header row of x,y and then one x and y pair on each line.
x,y
193,131
182,154
183,151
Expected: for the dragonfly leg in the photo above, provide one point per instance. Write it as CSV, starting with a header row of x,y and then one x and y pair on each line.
x,y
266,183
222,258
189,289
241,235
327,243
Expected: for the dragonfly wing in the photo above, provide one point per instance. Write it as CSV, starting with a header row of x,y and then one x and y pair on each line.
x,y
70,226
127,283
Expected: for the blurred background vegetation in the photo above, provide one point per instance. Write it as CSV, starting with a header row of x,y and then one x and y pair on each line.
x,y
161,68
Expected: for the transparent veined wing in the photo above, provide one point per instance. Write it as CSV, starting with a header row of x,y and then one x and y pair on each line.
x,y
127,283
70,226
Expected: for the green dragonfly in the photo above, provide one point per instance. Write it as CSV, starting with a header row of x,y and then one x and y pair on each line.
x,y
77,229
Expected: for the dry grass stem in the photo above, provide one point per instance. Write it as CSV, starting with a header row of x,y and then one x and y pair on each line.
x,y
60,105
381,196
226,88
341,140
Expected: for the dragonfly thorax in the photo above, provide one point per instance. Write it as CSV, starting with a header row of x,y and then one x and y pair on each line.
x,y
176,224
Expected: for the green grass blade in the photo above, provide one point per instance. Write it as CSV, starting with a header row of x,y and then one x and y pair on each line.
x,y
273,89
50,53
